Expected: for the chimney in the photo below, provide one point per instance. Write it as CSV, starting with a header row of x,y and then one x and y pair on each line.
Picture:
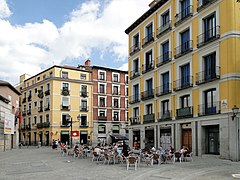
x,y
88,62
152,3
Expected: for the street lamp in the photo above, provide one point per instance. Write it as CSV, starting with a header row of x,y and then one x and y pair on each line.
x,y
235,110
70,122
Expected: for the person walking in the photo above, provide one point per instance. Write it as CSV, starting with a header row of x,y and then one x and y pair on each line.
x,y
125,149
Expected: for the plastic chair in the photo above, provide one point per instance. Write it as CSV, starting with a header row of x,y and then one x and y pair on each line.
x,y
132,160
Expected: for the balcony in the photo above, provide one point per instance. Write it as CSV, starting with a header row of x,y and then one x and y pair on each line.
x,y
183,15
28,127
183,83
208,36
40,94
206,76
40,109
84,93
46,124
164,28
116,93
84,108
209,109
65,91
65,107
134,49
29,98
29,112
135,73
164,89
135,120
84,125
164,116
47,92
149,94
165,58
148,40
39,125
134,99
23,100
186,112
47,108
102,118
24,113
147,67
183,49
202,4
148,118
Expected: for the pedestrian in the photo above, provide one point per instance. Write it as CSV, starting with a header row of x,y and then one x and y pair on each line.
x,y
125,149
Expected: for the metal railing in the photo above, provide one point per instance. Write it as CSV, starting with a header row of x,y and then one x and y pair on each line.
x,y
135,48
47,92
207,76
148,39
134,73
165,58
186,112
47,108
135,120
184,48
209,109
149,94
134,99
183,15
147,67
65,91
204,3
208,36
148,118
164,89
164,28
40,109
84,108
84,93
183,83
67,108
166,115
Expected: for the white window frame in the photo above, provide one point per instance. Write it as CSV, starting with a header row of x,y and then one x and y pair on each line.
x,y
105,97
105,75
119,115
118,74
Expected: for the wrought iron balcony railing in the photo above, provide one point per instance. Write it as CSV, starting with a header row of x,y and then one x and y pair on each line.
x,y
186,112
47,92
84,108
65,107
147,67
84,125
164,89
134,49
148,118
204,3
24,100
149,94
183,15
208,75
164,116
210,108
39,125
46,124
183,49
135,73
208,36
148,39
47,108
135,120
84,93
164,28
29,98
134,99
40,109
165,58
183,83
29,112
65,92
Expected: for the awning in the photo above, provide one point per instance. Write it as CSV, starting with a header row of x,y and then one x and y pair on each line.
x,y
119,137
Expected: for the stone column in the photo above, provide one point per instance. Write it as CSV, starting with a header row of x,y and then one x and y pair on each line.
x,y
142,137
158,136
200,139
173,135
178,132
130,137
155,136
234,138
194,137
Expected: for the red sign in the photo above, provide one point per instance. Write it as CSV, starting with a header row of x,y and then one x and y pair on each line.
x,y
75,133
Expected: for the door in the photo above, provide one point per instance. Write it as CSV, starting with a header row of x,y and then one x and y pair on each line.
x,y
136,92
47,138
165,51
210,67
185,76
150,87
165,80
209,27
213,140
185,8
83,137
185,37
65,137
187,138
29,139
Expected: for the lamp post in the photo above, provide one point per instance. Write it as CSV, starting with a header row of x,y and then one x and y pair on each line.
x,y
70,122
235,110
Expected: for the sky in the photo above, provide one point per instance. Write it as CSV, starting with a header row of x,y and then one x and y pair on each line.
x,y
37,34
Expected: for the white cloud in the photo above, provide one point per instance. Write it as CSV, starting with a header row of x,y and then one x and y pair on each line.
x,y
4,9
91,26
124,67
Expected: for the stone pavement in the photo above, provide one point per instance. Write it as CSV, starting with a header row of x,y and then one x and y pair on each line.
x,y
45,163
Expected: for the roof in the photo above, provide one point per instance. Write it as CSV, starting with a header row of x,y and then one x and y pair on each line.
x,y
5,83
111,69
145,15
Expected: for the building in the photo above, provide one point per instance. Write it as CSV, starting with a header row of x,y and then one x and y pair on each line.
x,y
50,100
184,76
9,116
110,104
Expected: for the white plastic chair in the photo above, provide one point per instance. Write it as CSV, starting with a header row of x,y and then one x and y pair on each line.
x,y
132,160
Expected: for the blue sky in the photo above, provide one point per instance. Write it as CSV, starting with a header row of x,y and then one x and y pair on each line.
x,y
36,34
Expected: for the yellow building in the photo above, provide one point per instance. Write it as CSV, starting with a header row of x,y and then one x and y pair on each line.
x,y
50,100
184,69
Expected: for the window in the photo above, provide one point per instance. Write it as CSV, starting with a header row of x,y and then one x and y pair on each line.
x,y
40,119
84,92
115,129
185,41
135,66
44,76
65,86
185,75
136,92
101,76
210,101
185,101
149,109
149,84
102,88
210,67
47,103
102,102
126,105
64,120
165,82
25,95
41,88
102,113
30,93
136,112
149,60
84,121
35,119
136,41
149,32
41,104
64,74
165,106
83,76
115,116
38,78
65,102
84,104
126,81
185,8
51,74
24,121
35,90
47,117
48,87
29,120
24,108
115,78
115,103
209,27
165,51
115,90
165,18
101,129
126,93
35,104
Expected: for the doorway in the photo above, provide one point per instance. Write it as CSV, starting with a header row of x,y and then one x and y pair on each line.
x,y
65,137
213,140
187,138
47,138
83,137
149,138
